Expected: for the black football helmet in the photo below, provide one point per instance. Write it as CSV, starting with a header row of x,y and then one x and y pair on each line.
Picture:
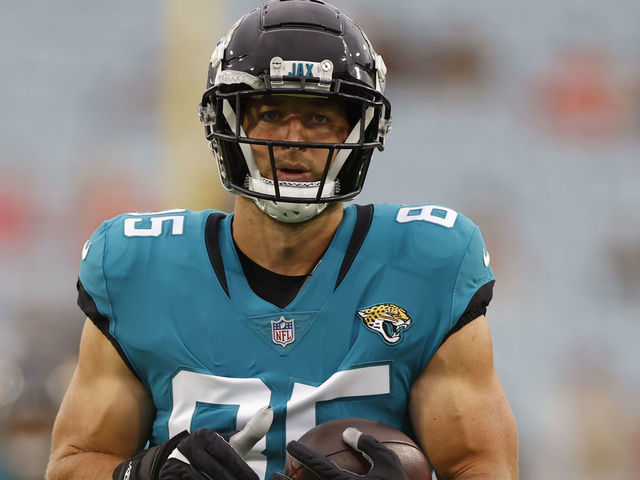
x,y
295,47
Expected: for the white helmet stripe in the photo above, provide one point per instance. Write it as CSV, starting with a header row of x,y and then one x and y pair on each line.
x,y
343,154
231,118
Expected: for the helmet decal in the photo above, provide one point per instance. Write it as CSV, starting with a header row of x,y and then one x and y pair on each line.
x,y
301,68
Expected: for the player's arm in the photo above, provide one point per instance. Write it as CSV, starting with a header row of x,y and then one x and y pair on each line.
x,y
460,413
105,417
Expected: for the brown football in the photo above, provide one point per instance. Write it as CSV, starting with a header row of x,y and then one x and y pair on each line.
x,y
326,439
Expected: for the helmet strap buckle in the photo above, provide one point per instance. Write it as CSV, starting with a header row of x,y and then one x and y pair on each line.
x,y
276,71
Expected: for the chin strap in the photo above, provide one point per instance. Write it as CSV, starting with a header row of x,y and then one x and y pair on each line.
x,y
290,212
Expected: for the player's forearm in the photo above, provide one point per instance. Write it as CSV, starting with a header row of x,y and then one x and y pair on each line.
x,y
479,476
491,470
83,466
483,476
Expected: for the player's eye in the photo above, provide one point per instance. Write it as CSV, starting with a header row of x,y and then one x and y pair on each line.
x,y
320,118
270,115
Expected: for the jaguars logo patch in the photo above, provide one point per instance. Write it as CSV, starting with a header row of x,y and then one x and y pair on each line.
x,y
387,320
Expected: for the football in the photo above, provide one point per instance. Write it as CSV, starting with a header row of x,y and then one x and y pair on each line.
x,y
326,439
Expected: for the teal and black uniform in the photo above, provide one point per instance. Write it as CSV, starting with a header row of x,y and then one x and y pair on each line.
x,y
170,293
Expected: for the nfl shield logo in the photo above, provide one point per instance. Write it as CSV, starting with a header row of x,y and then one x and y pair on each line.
x,y
283,331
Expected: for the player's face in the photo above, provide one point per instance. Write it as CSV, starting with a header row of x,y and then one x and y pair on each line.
x,y
280,117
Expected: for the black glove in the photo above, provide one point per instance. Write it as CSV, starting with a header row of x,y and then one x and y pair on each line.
x,y
203,455
385,464
146,464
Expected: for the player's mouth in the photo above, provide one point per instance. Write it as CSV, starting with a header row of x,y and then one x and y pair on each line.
x,y
294,174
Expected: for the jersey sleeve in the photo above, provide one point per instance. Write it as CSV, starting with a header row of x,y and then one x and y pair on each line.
x,y
473,287
93,297
93,293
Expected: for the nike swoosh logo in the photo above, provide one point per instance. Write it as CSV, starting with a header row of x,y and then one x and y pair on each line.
x,y
85,249
486,257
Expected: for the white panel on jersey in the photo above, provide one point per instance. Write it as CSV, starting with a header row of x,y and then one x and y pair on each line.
x,y
301,409
250,394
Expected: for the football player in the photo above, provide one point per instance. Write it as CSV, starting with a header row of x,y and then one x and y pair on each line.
x,y
295,309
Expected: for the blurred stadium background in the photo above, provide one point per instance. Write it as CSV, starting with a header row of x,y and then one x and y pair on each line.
x,y
523,115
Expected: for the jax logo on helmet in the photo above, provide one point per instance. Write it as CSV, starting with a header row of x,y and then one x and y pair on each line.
x,y
301,69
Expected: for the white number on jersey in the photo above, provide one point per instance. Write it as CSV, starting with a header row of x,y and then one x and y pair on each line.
x,y
251,394
131,228
425,213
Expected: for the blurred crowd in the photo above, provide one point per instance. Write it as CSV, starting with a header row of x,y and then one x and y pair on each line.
x,y
525,117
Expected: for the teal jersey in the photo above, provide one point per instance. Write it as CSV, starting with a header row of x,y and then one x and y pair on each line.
x,y
169,291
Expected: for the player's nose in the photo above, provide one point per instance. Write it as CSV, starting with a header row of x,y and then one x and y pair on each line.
x,y
295,130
